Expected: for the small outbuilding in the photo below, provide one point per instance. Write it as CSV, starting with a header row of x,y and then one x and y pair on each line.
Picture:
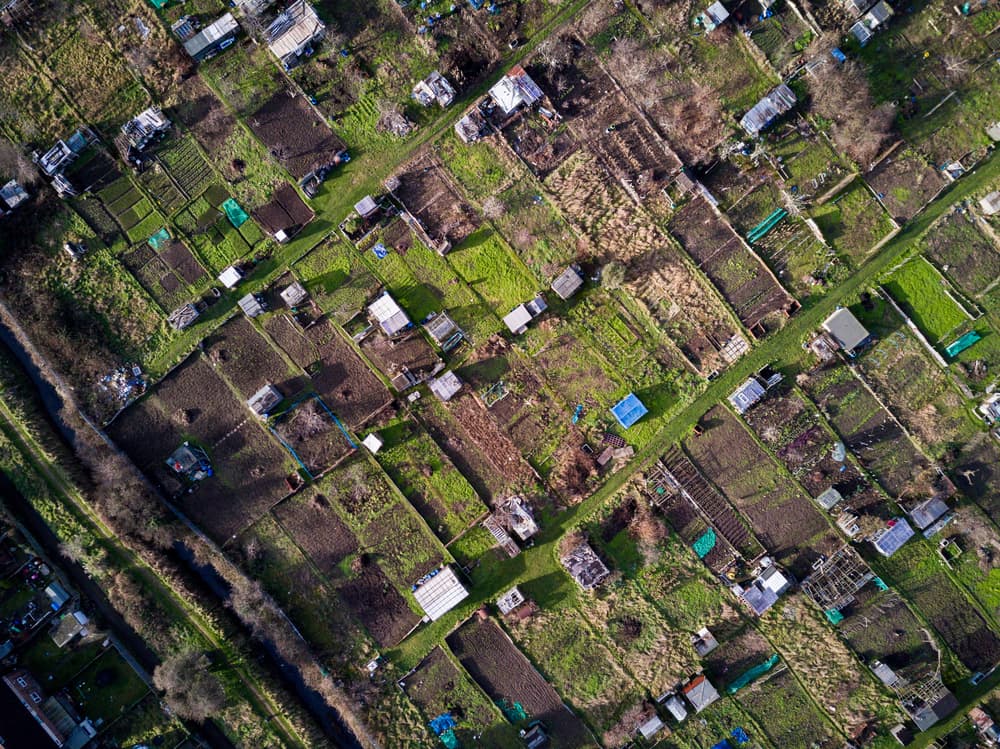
x,y
674,706
847,331
568,282
585,566
768,109
443,331
703,642
291,35
889,540
746,395
389,315
58,596
68,627
629,410
927,512
11,196
510,600
990,204
182,317
829,499
230,277
212,39
366,207
264,400
435,88
373,442
649,728
517,319
439,592
252,305
446,386
515,90
472,126
294,295
700,693
190,462
713,16
145,127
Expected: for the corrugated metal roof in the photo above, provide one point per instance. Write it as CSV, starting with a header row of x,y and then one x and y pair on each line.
x,y
440,594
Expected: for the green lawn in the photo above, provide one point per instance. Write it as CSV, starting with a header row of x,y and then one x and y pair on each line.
x,y
920,290
490,267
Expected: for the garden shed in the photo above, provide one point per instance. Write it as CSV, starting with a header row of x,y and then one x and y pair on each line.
x,y
264,400
145,127
847,331
373,442
990,204
713,16
629,410
829,499
434,88
230,277
515,90
213,38
517,319
703,642
446,386
674,706
389,315
700,693
252,305
439,593
182,317
68,627
294,295
510,600
925,513
568,282
890,539
649,728
746,395
585,566
768,109
292,34
11,196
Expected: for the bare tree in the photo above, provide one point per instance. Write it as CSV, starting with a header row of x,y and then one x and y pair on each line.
x,y
613,275
494,208
15,164
695,120
192,691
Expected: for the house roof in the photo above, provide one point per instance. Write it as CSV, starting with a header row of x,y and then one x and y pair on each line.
x,y
845,329
769,108
746,395
568,282
891,539
440,593
700,693
927,512
389,315
517,319
211,34
514,90
293,30
230,277
629,410
446,386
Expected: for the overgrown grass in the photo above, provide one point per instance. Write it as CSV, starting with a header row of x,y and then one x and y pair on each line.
x,y
921,291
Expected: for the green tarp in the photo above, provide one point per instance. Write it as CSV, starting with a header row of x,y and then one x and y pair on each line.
x,y
752,674
449,739
158,3
705,543
513,711
834,616
236,215
160,239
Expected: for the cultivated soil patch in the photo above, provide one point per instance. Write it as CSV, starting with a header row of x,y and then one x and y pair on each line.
x,y
503,672
294,134
247,359
379,606
425,190
310,431
905,183
309,519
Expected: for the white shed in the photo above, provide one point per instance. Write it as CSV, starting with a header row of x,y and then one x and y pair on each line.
x,y
439,593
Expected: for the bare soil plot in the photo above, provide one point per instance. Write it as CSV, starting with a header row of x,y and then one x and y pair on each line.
x,y
920,575
785,713
285,211
541,148
203,114
247,359
905,182
786,522
656,273
503,672
308,518
192,402
294,134
380,607
180,260
799,438
437,686
391,356
343,380
853,222
960,247
976,471
735,656
288,336
880,626
156,278
308,429
868,431
425,190
750,288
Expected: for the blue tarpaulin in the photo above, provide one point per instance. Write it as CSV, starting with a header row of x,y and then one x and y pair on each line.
x,y
723,745
629,410
443,722
739,735
380,251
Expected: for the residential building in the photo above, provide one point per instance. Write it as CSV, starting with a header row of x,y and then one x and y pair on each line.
x,y
55,716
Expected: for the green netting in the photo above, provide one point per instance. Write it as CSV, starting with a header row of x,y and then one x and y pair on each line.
x,y
159,239
834,616
880,584
705,543
236,215
513,711
962,343
450,740
752,674
158,3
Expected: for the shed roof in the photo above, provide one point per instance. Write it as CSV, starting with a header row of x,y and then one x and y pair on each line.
x,y
585,566
991,203
700,693
58,595
510,600
629,410
769,108
251,306
846,330
388,314
746,395
517,319
294,294
675,707
230,277
568,282
515,90
440,593
13,194
293,30
891,539
829,499
651,727
927,512
759,597
366,206
264,400
446,386
222,27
